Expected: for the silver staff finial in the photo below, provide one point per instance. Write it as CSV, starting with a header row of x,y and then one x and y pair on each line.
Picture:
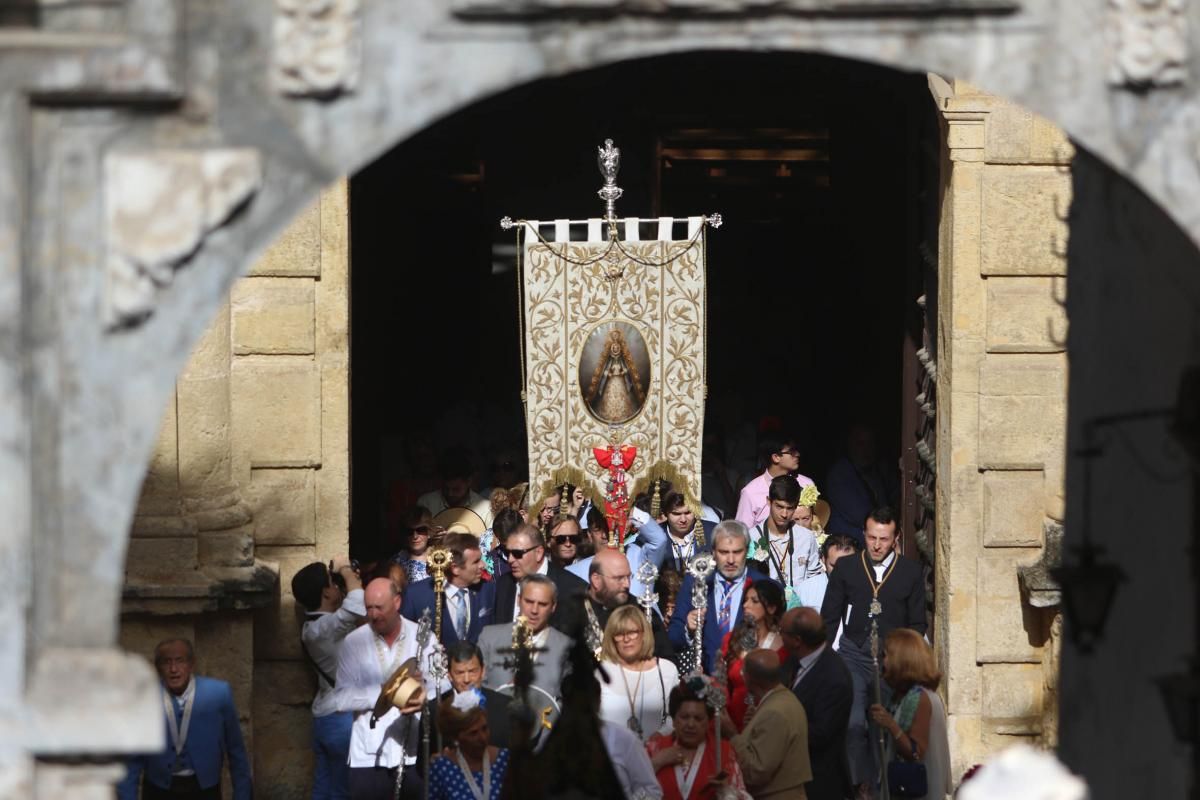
x,y
609,159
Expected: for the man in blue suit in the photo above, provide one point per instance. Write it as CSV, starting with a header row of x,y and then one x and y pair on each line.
x,y
726,588
202,730
469,602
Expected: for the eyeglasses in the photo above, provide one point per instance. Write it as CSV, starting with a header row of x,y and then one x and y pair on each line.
x,y
573,538
789,452
632,633
516,552
421,530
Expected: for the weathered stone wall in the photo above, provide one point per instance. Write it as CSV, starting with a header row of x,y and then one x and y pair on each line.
x,y
251,473
1001,415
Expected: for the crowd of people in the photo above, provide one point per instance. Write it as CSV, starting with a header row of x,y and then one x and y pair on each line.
x,y
773,655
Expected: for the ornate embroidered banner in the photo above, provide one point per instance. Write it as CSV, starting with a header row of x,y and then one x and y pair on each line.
x,y
614,349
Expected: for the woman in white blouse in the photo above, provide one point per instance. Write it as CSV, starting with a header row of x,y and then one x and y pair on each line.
x,y
639,685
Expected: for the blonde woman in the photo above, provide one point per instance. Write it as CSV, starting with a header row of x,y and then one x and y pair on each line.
x,y
916,722
639,685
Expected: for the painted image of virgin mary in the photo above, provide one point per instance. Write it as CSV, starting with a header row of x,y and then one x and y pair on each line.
x,y
613,381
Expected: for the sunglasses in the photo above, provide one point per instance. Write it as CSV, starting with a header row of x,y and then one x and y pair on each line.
x,y
573,538
421,530
516,552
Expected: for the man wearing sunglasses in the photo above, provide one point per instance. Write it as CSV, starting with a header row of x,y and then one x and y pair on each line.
x,y
525,551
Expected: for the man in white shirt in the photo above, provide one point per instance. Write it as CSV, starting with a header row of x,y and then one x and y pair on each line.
x,y
367,658
456,473
332,598
788,552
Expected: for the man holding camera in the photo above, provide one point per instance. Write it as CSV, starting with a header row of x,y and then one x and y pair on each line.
x,y
332,597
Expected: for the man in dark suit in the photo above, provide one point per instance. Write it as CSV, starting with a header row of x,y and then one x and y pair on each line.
x,y
525,551
878,585
468,604
466,670
821,682
726,588
202,730
680,522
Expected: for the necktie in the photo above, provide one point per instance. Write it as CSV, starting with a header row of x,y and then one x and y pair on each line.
x,y
726,603
799,674
460,614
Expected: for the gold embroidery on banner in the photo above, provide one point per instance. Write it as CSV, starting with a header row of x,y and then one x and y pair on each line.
x,y
565,302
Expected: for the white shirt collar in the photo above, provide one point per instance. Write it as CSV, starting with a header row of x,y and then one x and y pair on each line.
x,y
187,694
545,567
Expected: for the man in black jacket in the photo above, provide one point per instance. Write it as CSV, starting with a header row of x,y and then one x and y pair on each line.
x,y
821,682
525,550
877,586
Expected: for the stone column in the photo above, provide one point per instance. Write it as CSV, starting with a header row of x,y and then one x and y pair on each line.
x,y
1001,415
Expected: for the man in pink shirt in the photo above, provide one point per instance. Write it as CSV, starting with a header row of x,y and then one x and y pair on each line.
x,y
782,458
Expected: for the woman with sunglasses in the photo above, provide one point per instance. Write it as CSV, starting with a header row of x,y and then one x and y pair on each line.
x,y
567,543
418,524
639,685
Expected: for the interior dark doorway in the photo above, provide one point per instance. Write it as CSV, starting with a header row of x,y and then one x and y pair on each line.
x,y
825,171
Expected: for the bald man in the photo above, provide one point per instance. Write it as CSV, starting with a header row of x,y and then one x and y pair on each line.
x,y
368,657
608,588
821,682
773,747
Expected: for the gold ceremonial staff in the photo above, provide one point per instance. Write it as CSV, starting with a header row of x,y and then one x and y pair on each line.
x,y
438,563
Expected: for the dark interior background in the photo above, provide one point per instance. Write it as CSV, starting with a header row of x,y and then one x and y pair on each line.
x,y
825,171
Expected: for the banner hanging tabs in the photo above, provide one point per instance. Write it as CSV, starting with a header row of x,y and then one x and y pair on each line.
x,y
665,227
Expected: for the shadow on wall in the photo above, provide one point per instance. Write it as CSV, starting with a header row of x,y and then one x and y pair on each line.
x,y
1134,304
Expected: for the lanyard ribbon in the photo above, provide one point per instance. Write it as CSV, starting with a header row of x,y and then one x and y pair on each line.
x,y
179,730
479,793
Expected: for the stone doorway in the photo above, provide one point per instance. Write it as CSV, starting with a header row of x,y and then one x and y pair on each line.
x,y
808,319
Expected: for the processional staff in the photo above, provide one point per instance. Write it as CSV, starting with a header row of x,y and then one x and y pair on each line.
x,y
700,567
438,563
647,573
884,789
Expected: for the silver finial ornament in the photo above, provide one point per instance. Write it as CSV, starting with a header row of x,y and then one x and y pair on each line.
x,y
506,223
609,159
715,220
647,573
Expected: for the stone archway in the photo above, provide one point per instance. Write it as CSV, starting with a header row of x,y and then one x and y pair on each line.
x,y
152,151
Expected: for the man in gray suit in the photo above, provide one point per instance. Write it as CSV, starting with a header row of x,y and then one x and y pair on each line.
x,y
538,599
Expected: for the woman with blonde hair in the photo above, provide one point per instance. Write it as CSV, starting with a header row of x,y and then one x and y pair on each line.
x,y
472,768
638,685
916,722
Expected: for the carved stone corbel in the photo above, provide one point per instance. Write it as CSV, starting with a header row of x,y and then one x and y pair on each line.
x,y
1036,579
159,206
1149,42
318,50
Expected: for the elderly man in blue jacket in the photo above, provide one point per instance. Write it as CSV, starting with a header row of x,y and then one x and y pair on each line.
x,y
726,587
202,730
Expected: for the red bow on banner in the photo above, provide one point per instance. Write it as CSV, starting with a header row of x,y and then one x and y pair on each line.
x,y
616,497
